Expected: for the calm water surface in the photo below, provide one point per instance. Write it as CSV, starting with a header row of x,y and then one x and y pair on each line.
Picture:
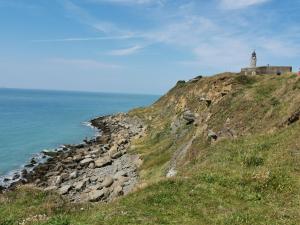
x,y
33,120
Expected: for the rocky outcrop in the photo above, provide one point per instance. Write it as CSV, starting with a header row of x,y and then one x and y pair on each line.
x,y
98,170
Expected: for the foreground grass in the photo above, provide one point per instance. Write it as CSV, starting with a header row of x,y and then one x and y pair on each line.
x,y
252,180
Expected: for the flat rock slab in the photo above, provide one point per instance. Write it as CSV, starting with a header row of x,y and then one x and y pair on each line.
x,y
86,161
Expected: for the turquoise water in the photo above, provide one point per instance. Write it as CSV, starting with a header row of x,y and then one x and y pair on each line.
x,y
33,120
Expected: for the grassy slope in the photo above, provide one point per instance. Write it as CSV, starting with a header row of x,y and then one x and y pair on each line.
x,y
253,179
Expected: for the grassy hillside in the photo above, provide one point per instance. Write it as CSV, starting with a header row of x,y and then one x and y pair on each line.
x,y
248,175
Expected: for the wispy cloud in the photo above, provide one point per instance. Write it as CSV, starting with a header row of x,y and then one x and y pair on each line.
x,y
84,17
84,39
126,51
219,40
239,4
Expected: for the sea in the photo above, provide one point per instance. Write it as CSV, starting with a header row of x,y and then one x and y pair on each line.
x,y
35,120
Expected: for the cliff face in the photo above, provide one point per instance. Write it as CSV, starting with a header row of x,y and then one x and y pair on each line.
x,y
204,111
214,150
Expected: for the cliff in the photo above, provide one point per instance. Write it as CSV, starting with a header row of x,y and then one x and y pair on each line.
x,y
213,150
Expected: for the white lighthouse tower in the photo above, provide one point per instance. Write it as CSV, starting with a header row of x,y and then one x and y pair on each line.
x,y
253,60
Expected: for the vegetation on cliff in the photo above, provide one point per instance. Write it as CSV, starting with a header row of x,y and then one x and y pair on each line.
x,y
217,150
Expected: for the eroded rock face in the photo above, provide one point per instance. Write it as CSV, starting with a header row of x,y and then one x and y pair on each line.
x,y
98,170
189,116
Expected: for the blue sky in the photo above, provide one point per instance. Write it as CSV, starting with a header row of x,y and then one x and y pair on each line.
x,y
140,46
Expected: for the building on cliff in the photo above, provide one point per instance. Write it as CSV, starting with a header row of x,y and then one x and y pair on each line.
x,y
264,70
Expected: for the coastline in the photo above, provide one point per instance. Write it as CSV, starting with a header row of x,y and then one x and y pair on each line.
x,y
99,169
15,176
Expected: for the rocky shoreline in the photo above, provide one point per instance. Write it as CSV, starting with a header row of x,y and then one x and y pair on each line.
x,y
100,169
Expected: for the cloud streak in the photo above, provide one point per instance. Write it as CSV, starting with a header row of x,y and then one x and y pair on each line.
x,y
85,39
126,51
240,4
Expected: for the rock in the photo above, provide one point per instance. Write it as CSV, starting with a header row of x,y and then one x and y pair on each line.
x,y
33,161
103,162
64,189
195,79
95,195
119,174
212,135
118,190
73,175
79,185
77,158
64,176
16,176
108,181
94,179
57,180
171,173
189,116
117,155
92,165
50,153
24,172
122,141
86,161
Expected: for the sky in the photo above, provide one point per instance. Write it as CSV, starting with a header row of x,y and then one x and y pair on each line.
x,y
140,46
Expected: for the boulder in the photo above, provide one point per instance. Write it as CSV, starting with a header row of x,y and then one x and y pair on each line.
x,y
92,165
117,155
212,135
64,189
86,161
103,162
118,190
79,185
189,116
108,181
50,153
95,195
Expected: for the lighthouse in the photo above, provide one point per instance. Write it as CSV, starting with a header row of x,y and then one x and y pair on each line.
x,y
253,60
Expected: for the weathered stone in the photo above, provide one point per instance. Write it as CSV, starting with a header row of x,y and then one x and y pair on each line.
x,y
64,189
86,161
92,165
108,181
103,162
79,185
117,155
56,181
73,175
64,176
50,153
212,135
95,195
122,141
118,190
189,116
119,174
77,158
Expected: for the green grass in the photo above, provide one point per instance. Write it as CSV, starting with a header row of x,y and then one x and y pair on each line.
x,y
253,179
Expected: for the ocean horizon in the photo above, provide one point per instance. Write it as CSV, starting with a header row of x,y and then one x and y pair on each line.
x,y
34,120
